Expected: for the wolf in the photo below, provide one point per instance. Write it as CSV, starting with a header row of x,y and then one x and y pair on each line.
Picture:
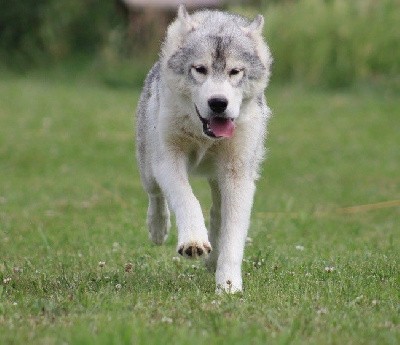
x,y
203,111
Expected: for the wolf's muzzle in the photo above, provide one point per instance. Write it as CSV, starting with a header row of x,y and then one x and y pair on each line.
x,y
217,126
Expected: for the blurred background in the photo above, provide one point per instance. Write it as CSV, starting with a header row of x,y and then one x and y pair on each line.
x,y
330,43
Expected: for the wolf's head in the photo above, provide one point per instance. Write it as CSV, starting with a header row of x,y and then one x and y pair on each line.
x,y
216,62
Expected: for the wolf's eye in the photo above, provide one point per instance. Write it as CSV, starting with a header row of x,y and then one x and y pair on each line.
x,y
234,71
200,69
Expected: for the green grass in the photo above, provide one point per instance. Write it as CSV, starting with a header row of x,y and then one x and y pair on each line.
x,y
334,42
70,197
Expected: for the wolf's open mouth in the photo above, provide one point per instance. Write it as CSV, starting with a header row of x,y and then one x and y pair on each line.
x,y
217,126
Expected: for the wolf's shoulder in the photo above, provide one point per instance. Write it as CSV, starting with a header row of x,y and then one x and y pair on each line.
x,y
150,88
152,77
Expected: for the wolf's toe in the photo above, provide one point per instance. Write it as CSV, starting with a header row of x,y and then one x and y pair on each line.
x,y
194,250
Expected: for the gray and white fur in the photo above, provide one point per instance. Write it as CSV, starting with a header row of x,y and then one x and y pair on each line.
x,y
203,111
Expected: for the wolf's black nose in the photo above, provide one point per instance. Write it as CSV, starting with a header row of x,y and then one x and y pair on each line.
x,y
218,104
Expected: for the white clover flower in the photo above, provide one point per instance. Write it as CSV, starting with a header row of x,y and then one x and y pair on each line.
x,y
115,246
249,240
166,319
322,311
358,299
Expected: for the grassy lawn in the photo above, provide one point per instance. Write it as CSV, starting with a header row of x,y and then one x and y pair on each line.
x,y
315,271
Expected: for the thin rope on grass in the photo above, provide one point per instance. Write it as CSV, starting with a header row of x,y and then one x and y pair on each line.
x,y
342,210
115,196
369,207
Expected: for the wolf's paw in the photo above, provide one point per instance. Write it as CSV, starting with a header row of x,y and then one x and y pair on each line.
x,y
159,226
194,250
228,279
228,287
158,238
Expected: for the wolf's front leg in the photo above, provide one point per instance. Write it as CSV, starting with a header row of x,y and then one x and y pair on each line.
x,y
236,203
171,174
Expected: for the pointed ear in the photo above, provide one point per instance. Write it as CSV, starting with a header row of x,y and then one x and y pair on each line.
x,y
187,22
256,26
183,14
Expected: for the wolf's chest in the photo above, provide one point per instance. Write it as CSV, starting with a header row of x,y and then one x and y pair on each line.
x,y
201,162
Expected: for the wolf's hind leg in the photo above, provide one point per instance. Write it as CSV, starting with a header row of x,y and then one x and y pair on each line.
x,y
158,218
215,225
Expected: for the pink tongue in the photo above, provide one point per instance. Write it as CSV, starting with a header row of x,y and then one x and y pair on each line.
x,y
222,127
